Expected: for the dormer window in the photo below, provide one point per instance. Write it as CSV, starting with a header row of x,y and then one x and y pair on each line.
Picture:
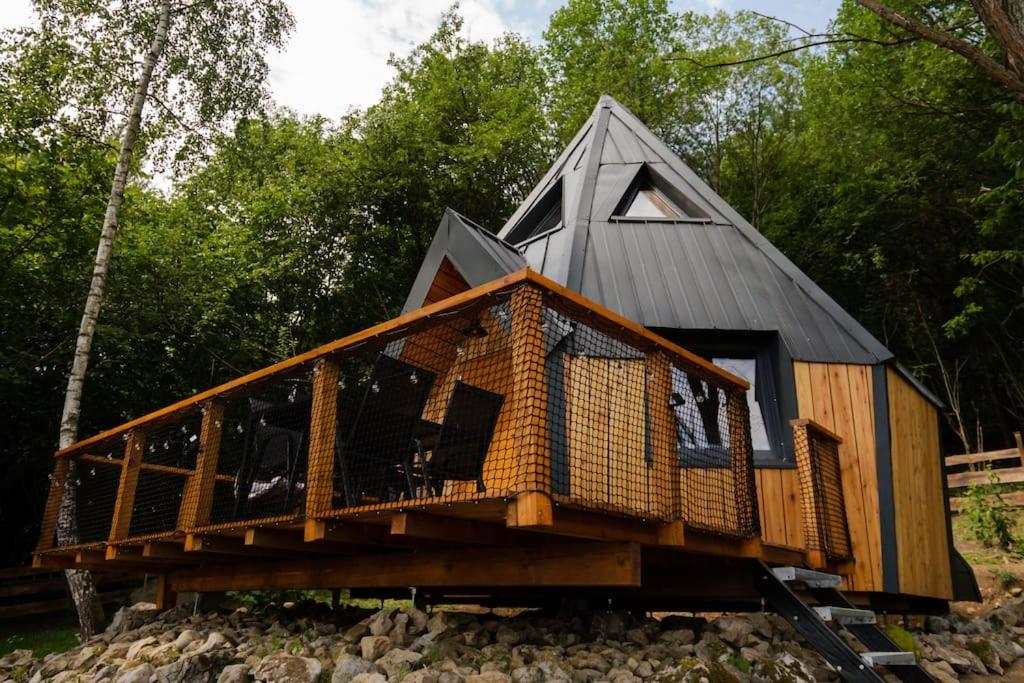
x,y
650,203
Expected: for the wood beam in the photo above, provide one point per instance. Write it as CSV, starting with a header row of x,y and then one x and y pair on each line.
x,y
599,527
209,544
532,509
291,540
163,550
127,484
48,531
563,565
350,533
197,496
136,554
454,530
323,421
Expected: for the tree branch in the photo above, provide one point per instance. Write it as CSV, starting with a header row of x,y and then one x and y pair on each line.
x,y
993,69
804,46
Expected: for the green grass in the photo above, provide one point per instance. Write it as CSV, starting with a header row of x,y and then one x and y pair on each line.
x,y
42,635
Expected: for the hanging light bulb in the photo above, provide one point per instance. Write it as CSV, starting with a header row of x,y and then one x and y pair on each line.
x,y
414,378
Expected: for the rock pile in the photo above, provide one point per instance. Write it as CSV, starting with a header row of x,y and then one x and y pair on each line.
x,y
308,642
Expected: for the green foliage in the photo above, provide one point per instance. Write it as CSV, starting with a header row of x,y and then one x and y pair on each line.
x,y
263,599
986,519
904,639
1005,577
41,635
739,663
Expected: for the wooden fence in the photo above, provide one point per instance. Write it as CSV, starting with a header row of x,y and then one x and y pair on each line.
x,y
28,592
1007,464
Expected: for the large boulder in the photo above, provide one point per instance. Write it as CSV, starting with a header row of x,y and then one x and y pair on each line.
x,y
349,666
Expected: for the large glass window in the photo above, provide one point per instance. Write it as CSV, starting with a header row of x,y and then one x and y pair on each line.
x,y
702,425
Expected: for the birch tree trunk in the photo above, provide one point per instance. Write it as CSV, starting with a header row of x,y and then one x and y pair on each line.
x,y
80,583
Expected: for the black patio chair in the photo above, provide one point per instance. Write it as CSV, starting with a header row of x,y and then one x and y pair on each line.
x,y
373,457
274,453
465,436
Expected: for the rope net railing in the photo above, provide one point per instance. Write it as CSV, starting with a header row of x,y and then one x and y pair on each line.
x,y
640,431
821,490
519,389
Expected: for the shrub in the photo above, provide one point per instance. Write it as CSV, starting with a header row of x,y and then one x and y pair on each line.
x,y
986,518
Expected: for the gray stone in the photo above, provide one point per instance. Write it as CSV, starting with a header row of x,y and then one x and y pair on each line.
x,y
682,636
130,618
355,633
418,620
528,674
372,647
734,631
644,669
184,639
488,677
137,648
590,660
84,657
586,675
439,623
349,666
935,624
421,676
381,623
138,674
506,635
638,636
281,667
234,673
940,671
370,678
396,661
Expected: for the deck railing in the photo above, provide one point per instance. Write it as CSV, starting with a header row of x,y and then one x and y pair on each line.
x,y
821,490
516,387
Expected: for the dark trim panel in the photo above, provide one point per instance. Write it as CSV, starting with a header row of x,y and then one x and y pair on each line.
x,y
883,459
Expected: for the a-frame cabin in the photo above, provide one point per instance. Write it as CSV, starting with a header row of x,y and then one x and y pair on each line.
x,y
621,220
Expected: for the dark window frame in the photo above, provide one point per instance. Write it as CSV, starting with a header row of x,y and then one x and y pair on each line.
x,y
774,386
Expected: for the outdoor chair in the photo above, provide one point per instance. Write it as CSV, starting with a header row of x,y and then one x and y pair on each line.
x,y
273,457
373,457
465,437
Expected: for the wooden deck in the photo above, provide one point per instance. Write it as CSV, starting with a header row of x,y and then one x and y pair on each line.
x,y
584,481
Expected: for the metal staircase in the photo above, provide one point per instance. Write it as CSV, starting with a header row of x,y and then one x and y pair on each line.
x,y
814,623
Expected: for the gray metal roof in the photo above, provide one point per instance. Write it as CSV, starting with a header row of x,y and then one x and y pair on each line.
x,y
710,271
477,254
715,272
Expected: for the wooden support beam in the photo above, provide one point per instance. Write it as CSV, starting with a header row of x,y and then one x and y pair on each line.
x,y
291,540
163,550
197,496
562,565
137,554
51,512
323,421
349,533
166,596
125,502
529,396
454,530
208,544
528,510
600,527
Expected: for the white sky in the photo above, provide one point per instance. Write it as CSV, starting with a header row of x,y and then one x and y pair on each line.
x,y
337,56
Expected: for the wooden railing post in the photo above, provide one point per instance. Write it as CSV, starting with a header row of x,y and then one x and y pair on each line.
x,y
127,484
826,534
197,497
741,461
51,512
533,506
323,416
665,489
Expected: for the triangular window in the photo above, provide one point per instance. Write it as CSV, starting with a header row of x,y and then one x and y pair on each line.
x,y
647,202
652,197
546,215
